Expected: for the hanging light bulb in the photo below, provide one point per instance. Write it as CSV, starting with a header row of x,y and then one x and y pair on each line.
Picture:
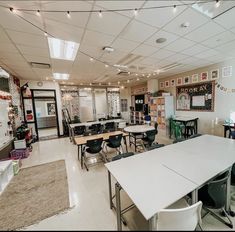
x,y
91,59
106,66
12,10
100,14
68,15
109,83
38,13
45,33
138,79
135,12
137,74
217,4
174,9
118,82
128,81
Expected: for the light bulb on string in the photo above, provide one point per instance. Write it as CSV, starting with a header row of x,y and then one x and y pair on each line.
x,y
138,79
45,33
174,9
68,15
106,66
12,10
91,59
135,12
118,82
38,13
128,81
217,4
100,14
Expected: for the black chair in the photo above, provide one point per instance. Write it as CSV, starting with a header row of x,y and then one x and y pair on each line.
x,y
190,129
109,126
79,130
213,196
149,138
156,127
96,128
115,141
93,147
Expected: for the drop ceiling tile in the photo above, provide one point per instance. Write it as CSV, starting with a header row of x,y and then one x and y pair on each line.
x,y
194,50
149,61
137,31
227,19
159,17
226,47
163,53
97,39
189,61
32,50
190,16
105,24
124,45
176,57
38,59
207,53
144,50
179,45
220,39
8,47
94,51
170,37
28,39
204,32
61,66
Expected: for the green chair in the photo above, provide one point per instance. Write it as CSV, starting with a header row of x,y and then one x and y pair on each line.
x,y
176,129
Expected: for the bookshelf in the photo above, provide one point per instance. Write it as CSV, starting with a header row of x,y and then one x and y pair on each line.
x,y
161,108
136,117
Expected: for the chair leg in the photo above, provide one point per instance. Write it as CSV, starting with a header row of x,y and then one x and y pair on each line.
x,y
230,224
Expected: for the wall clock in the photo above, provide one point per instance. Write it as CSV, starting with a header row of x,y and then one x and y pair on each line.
x,y
40,84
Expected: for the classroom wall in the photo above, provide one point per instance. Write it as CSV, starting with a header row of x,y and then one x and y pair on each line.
x,y
210,122
49,85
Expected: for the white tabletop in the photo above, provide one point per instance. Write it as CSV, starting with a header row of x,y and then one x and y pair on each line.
x,y
138,128
150,185
193,162
185,118
91,123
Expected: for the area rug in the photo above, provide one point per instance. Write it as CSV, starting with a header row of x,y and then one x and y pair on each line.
x,y
34,194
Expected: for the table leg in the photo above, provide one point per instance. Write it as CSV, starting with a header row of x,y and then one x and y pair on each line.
x,y
125,143
110,190
73,136
152,223
79,149
118,206
194,196
196,126
185,131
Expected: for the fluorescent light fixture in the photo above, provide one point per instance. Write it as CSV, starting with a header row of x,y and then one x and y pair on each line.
x,y
3,73
62,49
120,66
61,76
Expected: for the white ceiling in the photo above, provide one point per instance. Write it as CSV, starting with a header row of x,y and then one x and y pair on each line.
x,y
204,42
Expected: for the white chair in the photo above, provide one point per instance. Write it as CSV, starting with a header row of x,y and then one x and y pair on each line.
x,y
177,218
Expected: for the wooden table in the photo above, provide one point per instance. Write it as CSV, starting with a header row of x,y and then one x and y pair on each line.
x,y
81,141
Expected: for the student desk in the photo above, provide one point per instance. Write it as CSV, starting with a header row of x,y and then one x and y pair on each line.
x,y
162,176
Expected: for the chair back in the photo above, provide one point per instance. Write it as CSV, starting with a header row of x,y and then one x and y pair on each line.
x,y
180,219
124,155
95,145
150,136
79,130
233,175
96,127
115,140
217,191
110,126
156,126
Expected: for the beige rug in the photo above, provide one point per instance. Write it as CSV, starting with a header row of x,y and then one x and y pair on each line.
x,y
34,194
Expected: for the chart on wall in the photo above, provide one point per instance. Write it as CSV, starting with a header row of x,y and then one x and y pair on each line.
x,y
196,97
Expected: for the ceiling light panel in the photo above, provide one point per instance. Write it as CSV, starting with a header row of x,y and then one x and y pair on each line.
x,y
62,49
61,76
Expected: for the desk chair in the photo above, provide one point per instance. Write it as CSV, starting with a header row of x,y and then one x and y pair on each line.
x,y
190,129
111,196
79,130
109,126
94,147
115,142
180,216
149,138
213,196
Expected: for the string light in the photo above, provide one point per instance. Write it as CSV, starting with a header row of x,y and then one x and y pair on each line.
x,y
100,14
128,81
38,13
106,66
68,15
135,12
174,9
137,79
109,83
217,4
136,74
45,33
12,10
118,82
91,59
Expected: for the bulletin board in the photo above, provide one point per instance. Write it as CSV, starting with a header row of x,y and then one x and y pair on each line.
x,y
196,97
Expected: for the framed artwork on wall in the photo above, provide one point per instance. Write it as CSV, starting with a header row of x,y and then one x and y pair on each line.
x,y
204,76
167,84
162,85
194,78
172,82
214,74
186,80
51,108
179,81
227,71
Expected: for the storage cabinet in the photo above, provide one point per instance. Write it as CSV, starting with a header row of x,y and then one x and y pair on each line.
x,y
161,109
136,117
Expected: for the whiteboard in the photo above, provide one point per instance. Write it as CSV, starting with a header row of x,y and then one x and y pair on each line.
x,y
4,104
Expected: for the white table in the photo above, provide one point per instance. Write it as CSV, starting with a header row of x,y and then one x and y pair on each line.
x,y
137,129
6,173
197,160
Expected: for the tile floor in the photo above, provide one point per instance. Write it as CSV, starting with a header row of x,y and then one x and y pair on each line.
x,y
88,193
47,132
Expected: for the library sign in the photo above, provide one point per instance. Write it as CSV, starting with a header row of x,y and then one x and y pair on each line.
x,y
195,97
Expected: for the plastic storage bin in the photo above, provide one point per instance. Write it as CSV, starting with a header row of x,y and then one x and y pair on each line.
x,y
20,144
19,153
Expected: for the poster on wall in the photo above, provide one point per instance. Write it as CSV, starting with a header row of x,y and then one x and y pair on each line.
x,y
172,82
194,78
179,81
227,71
214,74
51,108
195,97
162,85
186,80
204,76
